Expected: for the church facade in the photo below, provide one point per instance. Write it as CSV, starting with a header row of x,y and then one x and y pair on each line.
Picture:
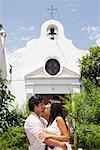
x,y
46,65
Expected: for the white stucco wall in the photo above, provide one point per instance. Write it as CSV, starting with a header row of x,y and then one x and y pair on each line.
x,y
27,60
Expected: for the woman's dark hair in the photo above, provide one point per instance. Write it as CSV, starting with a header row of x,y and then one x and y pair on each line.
x,y
57,109
34,101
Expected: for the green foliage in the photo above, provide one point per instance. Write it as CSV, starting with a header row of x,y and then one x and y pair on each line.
x,y
13,139
26,111
67,100
90,67
9,116
6,99
87,118
89,136
86,109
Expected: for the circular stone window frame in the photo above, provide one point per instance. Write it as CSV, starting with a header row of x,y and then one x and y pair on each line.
x,y
51,60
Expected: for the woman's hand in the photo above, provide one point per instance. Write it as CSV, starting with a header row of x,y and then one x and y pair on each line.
x,y
64,147
43,135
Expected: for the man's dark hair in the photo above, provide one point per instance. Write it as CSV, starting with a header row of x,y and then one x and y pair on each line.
x,y
34,101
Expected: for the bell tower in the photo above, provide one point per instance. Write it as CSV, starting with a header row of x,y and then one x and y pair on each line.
x,y
2,35
52,32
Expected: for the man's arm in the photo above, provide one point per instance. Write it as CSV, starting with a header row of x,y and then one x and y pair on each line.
x,y
52,142
33,130
63,129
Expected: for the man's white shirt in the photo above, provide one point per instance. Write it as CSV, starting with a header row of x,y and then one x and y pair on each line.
x,y
35,125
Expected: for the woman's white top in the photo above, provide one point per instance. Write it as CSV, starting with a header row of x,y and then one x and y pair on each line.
x,y
54,129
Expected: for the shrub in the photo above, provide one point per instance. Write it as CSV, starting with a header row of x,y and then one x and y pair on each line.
x,y
89,136
86,108
89,66
13,139
6,99
87,118
9,116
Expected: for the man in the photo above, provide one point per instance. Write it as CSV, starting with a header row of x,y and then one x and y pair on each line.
x,y
46,113
34,126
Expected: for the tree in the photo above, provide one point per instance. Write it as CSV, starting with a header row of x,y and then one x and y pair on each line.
x,y
7,117
87,118
86,112
12,135
90,67
87,103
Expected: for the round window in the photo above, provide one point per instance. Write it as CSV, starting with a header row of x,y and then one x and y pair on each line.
x,y
52,66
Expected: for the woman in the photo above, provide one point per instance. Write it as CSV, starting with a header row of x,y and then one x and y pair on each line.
x,y
57,124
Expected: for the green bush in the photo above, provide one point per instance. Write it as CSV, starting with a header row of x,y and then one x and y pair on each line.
x,y
13,139
86,108
7,117
89,136
87,119
89,66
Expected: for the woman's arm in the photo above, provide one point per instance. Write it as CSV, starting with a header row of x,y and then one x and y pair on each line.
x,y
55,143
64,131
51,142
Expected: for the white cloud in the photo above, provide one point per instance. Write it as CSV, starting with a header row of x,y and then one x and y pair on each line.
x,y
19,36
27,28
25,38
23,33
74,10
31,28
13,34
71,4
22,28
98,42
91,32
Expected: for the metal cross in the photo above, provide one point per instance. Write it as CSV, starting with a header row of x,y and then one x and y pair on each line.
x,y
52,11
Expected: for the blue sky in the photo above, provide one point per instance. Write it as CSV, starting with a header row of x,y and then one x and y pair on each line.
x,y
22,20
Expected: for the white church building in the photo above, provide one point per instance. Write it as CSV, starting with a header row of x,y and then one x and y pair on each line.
x,y
4,66
47,65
